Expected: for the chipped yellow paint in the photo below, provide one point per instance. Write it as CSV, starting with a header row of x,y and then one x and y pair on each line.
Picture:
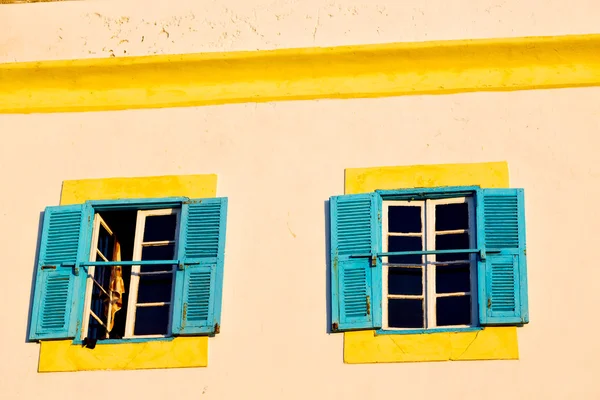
x,y
363,71
363,347
181,352
193,186
487,344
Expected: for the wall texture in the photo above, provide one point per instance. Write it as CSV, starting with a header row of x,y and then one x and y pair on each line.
x,y
103,28
279,162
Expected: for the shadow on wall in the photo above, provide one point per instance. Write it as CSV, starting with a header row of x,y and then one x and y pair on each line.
x,y
34,275
327,267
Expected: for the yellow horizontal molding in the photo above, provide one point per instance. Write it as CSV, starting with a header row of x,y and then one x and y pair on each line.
x,y
300,74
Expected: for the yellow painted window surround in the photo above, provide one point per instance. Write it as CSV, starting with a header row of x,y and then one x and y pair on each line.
x,y
499,343
179,352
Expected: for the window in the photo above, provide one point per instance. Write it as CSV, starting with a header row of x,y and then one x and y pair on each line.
x,y
134,269
428,290
428,259
136,301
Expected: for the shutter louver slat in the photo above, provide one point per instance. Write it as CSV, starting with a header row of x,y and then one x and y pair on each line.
x,y
197,305
355,284
502,273
56,300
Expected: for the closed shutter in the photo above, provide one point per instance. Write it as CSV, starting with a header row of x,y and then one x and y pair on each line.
x,y
355,282
59,286
199,278
502,267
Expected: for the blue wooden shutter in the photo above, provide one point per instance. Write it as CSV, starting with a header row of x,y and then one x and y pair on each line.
x,y
502,267
199,279
355,282
59,286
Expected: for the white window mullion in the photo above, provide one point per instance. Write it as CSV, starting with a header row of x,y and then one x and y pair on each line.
x,y
429,234
135,277
473,263
385,269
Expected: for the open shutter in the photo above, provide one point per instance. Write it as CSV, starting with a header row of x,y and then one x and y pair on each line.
x,y
58,285
199,278
502,267
355,282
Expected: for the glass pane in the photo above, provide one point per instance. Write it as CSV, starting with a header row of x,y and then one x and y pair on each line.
x,y
404,219
405,243
451,216
405,313
151,320
452,278
160,227
450,242
405,280
165,252
455,310
105,244
155,288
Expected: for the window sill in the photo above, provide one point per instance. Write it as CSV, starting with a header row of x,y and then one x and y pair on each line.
x,y
123,341
491,343
179,352
426,331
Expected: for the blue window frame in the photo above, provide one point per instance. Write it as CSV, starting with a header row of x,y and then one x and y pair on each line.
x,y
58,304
356,254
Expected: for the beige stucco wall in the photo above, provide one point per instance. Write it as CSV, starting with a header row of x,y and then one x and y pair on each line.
x,y
279,162
100,28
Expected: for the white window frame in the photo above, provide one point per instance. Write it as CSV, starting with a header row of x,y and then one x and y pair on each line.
x,y
94,252
427,234
133,287
138,245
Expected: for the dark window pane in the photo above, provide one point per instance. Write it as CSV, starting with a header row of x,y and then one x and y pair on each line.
x,y
151,320
405,243
158,253
156,268
405,280
105,244
165,252
155,288
452,242
160,227
452,278
405,313
455,310
406,219
451,216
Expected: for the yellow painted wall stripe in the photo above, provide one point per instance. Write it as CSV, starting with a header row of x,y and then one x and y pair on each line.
x,y
295,74
498,343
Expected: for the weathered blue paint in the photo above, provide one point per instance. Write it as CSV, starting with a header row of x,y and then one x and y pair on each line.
x,y
58,291
128,263
355,283
502,268
433,330
201,251
138,204
441,192
416,252
127,340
